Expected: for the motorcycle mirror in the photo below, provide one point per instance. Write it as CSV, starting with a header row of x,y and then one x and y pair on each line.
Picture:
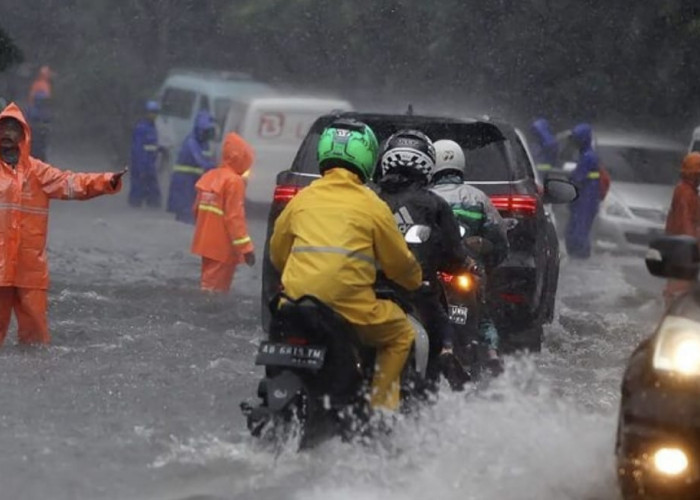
x,y
417,234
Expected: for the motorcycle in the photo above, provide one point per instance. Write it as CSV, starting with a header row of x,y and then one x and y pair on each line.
x,y
317,373
464,295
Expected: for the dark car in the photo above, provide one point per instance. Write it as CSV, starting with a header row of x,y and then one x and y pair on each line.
x,y
522,289
658,435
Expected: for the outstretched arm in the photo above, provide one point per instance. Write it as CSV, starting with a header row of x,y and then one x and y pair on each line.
x,y
203,161
67,185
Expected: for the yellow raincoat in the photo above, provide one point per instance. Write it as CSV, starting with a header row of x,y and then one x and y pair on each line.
x,y
328,242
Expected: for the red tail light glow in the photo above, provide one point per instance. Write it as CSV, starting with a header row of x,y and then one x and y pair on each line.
x,y
523,204
513,298
284,194
296,341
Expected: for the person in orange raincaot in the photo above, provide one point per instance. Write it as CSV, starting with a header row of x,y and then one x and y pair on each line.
x,y
39,112
26,186
221,235
684,216
42,85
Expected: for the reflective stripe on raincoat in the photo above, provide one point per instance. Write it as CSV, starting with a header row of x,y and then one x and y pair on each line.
x,y
25,192
221,232
329,241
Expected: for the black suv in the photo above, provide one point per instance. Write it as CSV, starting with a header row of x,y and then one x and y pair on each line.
x,y
522,289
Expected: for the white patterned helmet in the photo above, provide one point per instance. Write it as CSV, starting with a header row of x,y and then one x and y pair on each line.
x,y
449,156
410,151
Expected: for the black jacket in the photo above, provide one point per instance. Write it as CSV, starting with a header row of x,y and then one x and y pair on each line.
x,y
413,203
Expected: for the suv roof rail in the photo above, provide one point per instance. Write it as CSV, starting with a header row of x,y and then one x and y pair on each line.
x,y
212,73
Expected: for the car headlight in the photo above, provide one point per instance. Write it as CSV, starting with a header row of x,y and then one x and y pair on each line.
x,y
670,461
615,208
677,346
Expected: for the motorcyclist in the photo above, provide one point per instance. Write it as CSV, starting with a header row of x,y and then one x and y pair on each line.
x,y
406,162
329,240
474,210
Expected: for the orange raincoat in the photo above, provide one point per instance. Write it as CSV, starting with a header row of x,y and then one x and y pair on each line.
x,y
221,234
42,85
25,191
684,216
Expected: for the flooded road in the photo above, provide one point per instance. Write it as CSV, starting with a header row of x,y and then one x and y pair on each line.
x,y
138,396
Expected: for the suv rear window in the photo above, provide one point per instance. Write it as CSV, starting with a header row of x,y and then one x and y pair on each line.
x,y
178,102
485,148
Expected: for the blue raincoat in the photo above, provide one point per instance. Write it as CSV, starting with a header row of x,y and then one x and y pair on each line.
x,y
194,159
546,148
586,177
144,170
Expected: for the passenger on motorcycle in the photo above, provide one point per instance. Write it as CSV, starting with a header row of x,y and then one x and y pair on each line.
x,y
407,159
329,241
474,210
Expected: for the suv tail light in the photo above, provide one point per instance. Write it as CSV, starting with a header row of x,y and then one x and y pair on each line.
x,y
284,194
523,204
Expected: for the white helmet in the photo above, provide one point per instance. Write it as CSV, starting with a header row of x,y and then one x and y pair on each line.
x,y
449,156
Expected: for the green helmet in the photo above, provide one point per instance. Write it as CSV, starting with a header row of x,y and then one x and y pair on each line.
x,y
349,144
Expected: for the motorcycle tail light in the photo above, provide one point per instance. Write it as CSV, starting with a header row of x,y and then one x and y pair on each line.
x,y
461,282
464,282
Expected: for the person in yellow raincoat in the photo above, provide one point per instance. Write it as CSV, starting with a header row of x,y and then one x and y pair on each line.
x,y
329,241
26,186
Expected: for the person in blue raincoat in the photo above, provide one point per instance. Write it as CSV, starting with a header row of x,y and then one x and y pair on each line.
x,y
586,177
194,159
144,156
546,148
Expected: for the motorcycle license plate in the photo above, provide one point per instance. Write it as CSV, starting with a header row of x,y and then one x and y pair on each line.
x,y
293,356
459,314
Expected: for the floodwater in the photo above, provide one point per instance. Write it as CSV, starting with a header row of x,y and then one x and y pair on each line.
x,y
138,396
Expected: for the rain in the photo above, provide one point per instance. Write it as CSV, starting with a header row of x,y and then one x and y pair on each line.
x,y
138,394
